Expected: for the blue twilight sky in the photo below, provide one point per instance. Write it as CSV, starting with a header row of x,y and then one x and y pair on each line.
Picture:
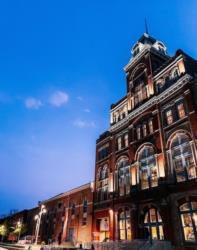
x,y
61,66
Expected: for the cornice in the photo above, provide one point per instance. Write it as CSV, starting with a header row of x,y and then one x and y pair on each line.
x,y
154,100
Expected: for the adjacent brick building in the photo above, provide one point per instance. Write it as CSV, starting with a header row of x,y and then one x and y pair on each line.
x,y
145,175
69,216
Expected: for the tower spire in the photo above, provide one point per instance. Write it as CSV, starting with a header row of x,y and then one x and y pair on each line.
x,y
146,26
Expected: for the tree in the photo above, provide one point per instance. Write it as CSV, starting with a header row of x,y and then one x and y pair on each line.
x,y
4,230
20,229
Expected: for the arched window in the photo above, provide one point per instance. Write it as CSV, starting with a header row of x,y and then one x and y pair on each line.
x,y
182,158
123,176
124,224
153,225
103,182
188,213
148,168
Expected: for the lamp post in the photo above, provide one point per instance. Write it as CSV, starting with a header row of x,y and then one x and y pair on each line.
x,y
38,219
19,226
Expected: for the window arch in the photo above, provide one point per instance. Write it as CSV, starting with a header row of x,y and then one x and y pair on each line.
x,y
103,182
188,214
153,225
123,176
148,170
182,157
124,224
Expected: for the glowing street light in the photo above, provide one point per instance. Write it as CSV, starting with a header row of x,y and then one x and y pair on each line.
x,y
38,219
19,226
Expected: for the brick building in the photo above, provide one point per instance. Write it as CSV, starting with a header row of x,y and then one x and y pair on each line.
x,y
25,218
145,175
69,216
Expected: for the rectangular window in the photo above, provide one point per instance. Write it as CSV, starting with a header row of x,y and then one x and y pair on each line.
x,y
126,140
144,130
139,133
150,125
181,110
84,219
119,143
169,117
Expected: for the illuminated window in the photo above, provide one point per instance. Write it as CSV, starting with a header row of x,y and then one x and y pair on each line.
x,y
138,130
144,128
188,213
153,224
85,209
175,73
169,117
119,143
140,93
182,158
148,168
181,110
124,224
150,125
103,183
123,176
126,140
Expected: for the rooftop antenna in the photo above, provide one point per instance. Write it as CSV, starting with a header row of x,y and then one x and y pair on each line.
x,y
146,26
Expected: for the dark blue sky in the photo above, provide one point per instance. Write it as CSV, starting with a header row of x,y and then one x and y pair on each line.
x,y
61,66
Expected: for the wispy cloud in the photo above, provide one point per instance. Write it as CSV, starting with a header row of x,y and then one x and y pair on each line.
x,y
58,99
33,103
84,124
80,98
86,110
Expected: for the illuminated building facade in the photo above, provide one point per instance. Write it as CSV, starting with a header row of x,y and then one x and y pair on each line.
x,y
145,175
69,217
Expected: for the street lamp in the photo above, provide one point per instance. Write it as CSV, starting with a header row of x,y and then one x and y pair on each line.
x,y
19,226
38,219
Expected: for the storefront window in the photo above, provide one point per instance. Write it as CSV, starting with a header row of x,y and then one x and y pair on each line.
x,y
153,224
188,213
124,224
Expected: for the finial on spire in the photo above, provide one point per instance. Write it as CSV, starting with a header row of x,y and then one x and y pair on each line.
x,y
146,26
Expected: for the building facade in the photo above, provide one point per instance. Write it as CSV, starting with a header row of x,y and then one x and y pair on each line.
x,y
145,174
24,220
69,217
